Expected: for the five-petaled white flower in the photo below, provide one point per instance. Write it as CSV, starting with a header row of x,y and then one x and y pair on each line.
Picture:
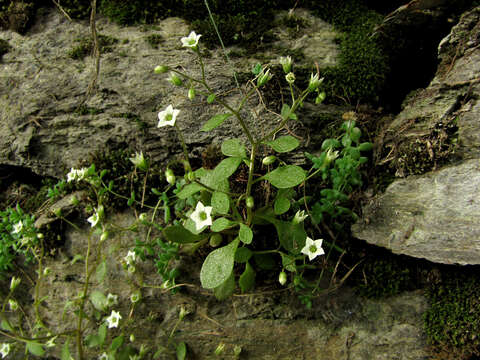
x,y
113,319
167,116
313,248
191,40
4,350
201,216
112,300
104,356
72,175
18,227
130,258
93,220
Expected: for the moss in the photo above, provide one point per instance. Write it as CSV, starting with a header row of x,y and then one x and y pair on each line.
x,y
452,323
154,40
4,47
86,110
85,46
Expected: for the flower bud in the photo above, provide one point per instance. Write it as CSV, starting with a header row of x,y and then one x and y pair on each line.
x,y
290,77
268,160
174,79
160,69
14,283
237,350
58,212
263,77
211,98
314,82
183,312
142,217
132,338
220,349
250,202
74,200
215,240
330,156
320,98
282,278
40,236
104,236
191,93
101,211
13,305
47,271
170,176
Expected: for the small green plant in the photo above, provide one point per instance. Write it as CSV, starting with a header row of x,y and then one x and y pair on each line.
x,y
18,236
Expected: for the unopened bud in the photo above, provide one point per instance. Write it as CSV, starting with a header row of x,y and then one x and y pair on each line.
x,y
132,338
250,202
13,305
282,278
174,79
220,349
14,283
74,200
104,236
263,78
215,240
286,63
268,160
47,271
160,69
142,217
170,176
320,98
191,93
58,212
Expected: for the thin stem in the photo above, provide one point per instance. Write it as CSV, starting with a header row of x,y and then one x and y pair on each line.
x,y
184,147
251,167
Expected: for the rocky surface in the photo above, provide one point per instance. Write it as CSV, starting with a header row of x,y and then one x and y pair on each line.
x,y
437,134
269,323
47,126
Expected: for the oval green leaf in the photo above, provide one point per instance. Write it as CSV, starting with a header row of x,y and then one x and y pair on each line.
x,y
286,176
220,224
178,234
218,266
226,289
233,147
215,121
226,168
284,144
245,234
247,279
189,190
281,205
243,254
220,202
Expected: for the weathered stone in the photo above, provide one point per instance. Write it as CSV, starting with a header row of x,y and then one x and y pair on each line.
x,y
435,215
42,90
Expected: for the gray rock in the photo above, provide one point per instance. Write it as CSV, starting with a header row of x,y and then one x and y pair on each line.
x,y
42,88
437,136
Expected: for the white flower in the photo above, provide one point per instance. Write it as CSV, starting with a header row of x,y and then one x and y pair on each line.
x,y
17,227
135,297
139,161
82,173
201,216
130,258
72,175
313,248
191,40
290,77
4,350
93,220
112,300
104,356
286,63
314,82
51,343
113,319
167,116
299,217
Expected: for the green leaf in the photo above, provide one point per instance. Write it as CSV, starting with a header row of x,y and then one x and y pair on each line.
x,y
220,224
226,288
291,236
181,351
226,168
6,326
76,258
288,262
247,279
215,121
281,205
218,265
101,271
189,190
355,134
102,333
116,343
66,351
220,202
178,234
245,234
209,180
243,254
286,176
284,144
285,112
366,146
233,147
265,261
99,300
35,348
211,98
257,68
93,340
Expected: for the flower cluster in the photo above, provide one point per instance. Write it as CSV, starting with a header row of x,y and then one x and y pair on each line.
x,y
77,174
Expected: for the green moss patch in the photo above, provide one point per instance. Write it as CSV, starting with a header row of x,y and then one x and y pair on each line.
x,y
85,46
